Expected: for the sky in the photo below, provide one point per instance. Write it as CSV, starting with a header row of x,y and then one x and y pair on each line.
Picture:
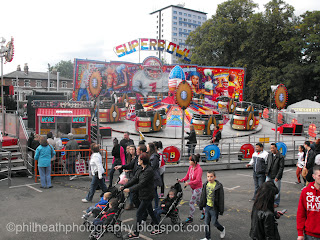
x,y
49,31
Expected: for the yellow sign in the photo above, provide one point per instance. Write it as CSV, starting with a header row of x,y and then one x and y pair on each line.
x,y
264,140
79,130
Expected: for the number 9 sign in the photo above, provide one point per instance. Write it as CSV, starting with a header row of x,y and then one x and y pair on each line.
x,y
171,155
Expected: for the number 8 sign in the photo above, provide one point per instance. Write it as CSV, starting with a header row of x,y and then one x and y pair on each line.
x,y
212,152
171,155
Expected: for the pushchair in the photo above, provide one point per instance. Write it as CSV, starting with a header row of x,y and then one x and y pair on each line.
x,y
173,211
95,233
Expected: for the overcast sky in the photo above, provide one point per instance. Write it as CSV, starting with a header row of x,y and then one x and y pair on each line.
x,y
50,31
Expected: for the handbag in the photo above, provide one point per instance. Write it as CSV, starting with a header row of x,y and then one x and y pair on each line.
x,y
53,157
304,172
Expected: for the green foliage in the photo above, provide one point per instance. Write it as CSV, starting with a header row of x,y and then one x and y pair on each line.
x,y
274,46
65,68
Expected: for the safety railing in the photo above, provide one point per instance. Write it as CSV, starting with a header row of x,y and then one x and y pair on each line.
x,y
5,165
72,163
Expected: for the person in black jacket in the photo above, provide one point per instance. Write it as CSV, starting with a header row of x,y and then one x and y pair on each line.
x,y
263,217
309,161
143,183
212,199
126,141
154,162
192,140
274,170
134,167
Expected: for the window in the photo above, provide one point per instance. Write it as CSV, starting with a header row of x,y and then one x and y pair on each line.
x,y
39,84
180,40
180,18
185,30
174,39
199,17
51,84
185,25
180,29
189,15
174,12
185,14
194,16
204,18
199,23
174,34
180,35
189,20
185,19
174,17
189,25
194,21
15,82
27,83
180,24
180,13
174,29
174,23
64,84
189,31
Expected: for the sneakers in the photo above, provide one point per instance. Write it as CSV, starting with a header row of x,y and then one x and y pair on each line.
x,y
189,220
85,200
223,233
202,216
72,177
155,232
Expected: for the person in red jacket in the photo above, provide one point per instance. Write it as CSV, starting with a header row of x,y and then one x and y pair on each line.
x,y
194,174
308,214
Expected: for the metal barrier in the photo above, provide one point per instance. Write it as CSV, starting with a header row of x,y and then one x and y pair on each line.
x,y
72,163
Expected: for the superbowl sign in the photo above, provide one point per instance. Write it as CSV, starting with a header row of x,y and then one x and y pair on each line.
x,y
150,44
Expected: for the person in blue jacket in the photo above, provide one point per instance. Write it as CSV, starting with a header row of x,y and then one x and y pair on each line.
x,y
43,155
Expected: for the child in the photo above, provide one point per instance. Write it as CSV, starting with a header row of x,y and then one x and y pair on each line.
x,y
165,204
194,174
109,214
212,199
96,209
300,163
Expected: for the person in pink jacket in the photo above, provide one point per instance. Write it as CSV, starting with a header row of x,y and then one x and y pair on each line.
x,y
194,174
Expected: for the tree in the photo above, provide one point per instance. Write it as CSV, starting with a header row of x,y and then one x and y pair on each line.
x,y
65,68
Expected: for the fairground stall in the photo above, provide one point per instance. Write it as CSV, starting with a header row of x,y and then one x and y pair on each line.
x,y
64,117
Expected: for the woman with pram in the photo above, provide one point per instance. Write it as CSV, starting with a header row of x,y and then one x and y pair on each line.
x,y
143,182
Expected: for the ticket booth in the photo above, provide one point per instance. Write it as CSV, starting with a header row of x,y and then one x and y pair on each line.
x,y
64,119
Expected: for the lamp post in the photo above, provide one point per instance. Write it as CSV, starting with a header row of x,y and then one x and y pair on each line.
x,y
3,50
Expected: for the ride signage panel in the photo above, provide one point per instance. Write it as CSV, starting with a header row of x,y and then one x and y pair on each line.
x,y
79,120
45,119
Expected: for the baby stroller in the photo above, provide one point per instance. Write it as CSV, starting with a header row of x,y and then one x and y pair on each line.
x,y
173,212
95,233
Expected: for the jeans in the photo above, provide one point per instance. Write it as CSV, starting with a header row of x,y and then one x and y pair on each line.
x,y
156,197
158,211
191,147
45,177
71,165
278,185
308,237
211,216
117,162
145,206
94,184
258,179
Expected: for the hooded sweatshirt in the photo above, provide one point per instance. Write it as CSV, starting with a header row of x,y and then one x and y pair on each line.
x,y
43,154
194,174
308,213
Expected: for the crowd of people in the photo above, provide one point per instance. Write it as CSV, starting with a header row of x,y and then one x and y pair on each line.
x,y
144,168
